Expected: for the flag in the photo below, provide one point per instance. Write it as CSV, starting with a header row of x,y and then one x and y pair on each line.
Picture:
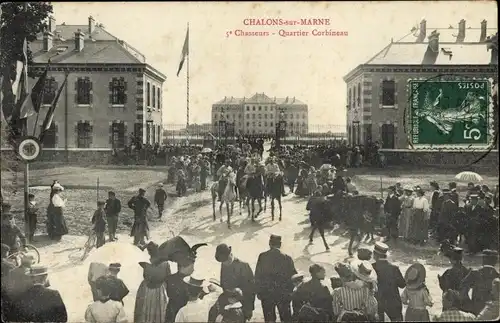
x,y
50,114
185,51
38,91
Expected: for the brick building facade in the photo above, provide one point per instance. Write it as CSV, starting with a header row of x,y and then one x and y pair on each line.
x,y
111,92
377,90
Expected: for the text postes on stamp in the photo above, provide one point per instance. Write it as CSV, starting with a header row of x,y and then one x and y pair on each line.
x,y
448,113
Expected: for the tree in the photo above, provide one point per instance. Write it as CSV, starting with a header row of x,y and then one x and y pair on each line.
x,y
18,21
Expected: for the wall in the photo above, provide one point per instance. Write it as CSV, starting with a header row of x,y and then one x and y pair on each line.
x,y
441,159
100,112
80,157
380,115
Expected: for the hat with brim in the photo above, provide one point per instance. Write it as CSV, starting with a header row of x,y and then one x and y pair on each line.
x,y
408,188
57,187
381,249
455,253
38,270
202,284
364,254
363,270
488,253
298,277
115,266
344,270
415,275
222,252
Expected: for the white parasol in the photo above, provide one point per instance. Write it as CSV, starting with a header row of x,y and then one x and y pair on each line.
x,y
469,177
206,150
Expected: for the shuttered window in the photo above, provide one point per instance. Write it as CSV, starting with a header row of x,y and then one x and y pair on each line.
x,y
83,88
83,134
118,91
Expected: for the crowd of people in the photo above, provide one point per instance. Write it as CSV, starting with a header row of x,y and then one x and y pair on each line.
x,y
366,288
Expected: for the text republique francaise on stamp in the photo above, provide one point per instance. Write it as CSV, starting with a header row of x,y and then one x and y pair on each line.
x,y
450,113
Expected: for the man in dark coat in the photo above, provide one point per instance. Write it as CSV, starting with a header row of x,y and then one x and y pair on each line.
x,y
392,209
454,195
273,280
160,198
118,288
435,206
446,217
39,303
452,277
112,209
339,184
476,218
480,281
140,228
389,281
235,273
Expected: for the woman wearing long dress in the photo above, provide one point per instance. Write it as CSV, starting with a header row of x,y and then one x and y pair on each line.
x,y
406,214
56,224
420,220
151,300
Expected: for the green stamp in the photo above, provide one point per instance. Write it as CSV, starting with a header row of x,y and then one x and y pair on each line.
x,y
450,113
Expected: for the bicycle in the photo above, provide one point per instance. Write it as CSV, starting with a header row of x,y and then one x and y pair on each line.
x,y
24,251
89,244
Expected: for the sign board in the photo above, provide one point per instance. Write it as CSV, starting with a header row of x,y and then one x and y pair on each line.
x,y
29,148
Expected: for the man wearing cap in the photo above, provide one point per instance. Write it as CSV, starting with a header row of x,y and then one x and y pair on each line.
x,y
475,215
451,309
39,303
389,280
480,281
235,273
202,295
112,209
392,209
160,198
118,289
10,231
452,277
273,279
140,228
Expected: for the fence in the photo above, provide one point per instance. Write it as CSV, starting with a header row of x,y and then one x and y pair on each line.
x,y
302,134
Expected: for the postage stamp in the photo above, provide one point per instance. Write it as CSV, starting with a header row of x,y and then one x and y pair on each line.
x,y
446,114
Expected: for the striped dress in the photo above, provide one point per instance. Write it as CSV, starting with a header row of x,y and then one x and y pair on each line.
x,y
354,295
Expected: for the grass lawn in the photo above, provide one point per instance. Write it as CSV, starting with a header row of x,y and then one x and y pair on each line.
x,y
80,185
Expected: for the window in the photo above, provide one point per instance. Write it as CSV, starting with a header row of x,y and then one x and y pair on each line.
x,y
253,115
303,116
154,97
354,95
215,115
260,108
291,124
84,134
248,108
265,108
148,94
118,90
248,124
265,123
388,136
260,116
158,97
83,90
272,108
271,123
239,116
117,135
349,99
359,94
148,133
50,138
253,123
388,93
291,116
260,124
265,116
49,91
138,132
153,132
253,108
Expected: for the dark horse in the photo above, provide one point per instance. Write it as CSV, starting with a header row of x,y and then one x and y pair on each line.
x,y
255,189
274,191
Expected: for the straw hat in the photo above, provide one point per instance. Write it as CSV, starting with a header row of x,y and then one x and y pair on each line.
x,y
58,187
415,275
363,270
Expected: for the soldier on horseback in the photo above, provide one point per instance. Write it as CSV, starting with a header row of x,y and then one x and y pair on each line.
x,y
221,179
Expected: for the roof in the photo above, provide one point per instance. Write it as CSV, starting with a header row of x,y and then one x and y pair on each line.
x,y
409,51
260,98
100,47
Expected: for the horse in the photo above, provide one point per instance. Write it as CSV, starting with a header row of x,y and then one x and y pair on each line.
x,y
273,190
244,198
255,189
228,198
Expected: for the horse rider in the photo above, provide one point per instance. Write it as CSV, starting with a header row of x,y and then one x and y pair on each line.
x,y
273,171
220,176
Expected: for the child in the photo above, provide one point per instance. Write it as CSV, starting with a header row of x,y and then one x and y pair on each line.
x,y
32,216
416,295
10,231
105,310
99,224
228,308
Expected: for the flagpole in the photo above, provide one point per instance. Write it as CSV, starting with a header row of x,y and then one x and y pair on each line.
x,y
27,228
187,91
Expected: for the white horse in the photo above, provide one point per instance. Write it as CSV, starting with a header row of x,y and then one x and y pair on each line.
x,y
228,196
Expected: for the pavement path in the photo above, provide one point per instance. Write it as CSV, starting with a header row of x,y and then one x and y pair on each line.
x,y
191,216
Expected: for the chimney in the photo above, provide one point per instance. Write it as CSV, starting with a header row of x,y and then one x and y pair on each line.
x,y
432,51
423,31
492,44
47,40
79,40
52,24
461,31
482,38
91,24
434,41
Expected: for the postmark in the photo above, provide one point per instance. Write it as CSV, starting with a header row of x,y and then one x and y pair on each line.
x,y
450,112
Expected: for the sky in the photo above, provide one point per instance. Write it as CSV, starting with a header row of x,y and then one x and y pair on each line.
x,y
309,68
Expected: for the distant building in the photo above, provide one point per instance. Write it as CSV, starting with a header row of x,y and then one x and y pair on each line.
x,y
377,90
111,93
260,113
